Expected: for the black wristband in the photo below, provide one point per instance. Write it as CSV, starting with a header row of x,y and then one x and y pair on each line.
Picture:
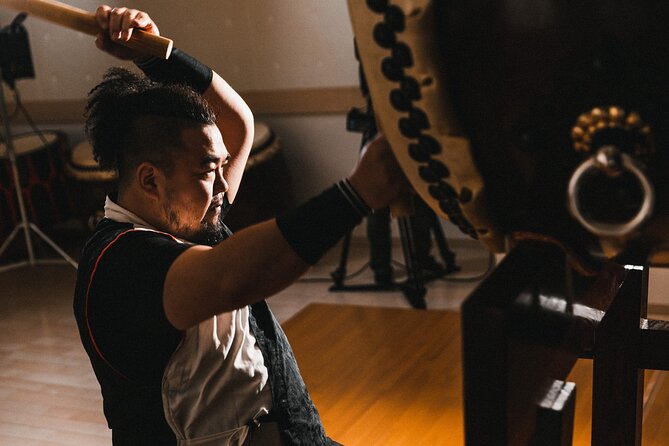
x,y
180,68
314,227
354,198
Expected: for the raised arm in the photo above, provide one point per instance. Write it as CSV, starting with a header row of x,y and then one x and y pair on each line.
x,y
235,121
234,117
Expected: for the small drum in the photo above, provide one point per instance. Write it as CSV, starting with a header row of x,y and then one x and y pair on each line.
x,y
90,183
266,187
39,158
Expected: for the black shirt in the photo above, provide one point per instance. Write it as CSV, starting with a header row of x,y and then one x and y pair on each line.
x,y
119,309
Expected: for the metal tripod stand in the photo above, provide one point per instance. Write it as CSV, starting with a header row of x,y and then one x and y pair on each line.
x,y
24,224
414,286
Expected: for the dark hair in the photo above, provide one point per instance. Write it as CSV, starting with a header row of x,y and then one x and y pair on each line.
x,y
131,119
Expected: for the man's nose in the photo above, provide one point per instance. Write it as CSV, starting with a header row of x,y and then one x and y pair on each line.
x,y
220,185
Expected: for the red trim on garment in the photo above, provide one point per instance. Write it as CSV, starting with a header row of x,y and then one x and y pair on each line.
x,y
88,290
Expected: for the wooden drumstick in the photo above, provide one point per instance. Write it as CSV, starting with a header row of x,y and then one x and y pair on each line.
x,y
83,21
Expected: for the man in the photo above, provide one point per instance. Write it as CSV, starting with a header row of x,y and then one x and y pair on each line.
x,y
184,347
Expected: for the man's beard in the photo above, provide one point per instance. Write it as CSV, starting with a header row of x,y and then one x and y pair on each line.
x,y
209,234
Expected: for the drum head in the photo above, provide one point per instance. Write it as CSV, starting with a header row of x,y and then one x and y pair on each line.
x,y
83,167
29,142
262,136
82,156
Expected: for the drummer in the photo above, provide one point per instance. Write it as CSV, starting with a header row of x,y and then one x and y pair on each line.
x,y
174,322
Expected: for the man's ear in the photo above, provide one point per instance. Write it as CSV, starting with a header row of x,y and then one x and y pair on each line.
x,y
149,179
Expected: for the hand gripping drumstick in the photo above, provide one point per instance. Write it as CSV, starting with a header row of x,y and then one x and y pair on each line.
x,y
83,21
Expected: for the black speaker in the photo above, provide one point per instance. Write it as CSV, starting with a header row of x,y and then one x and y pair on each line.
x,y
15,57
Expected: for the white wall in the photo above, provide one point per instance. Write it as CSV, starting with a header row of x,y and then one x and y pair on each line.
x,y
254,44
318,149
264,44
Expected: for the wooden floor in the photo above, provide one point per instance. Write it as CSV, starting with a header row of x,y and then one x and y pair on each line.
x,y
379,376
48,393
385,376
382,376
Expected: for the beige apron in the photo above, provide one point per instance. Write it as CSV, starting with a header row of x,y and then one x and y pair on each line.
x,y
216,382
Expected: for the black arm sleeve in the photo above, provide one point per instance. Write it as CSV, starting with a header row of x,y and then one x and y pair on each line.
x,y
179,68
315,226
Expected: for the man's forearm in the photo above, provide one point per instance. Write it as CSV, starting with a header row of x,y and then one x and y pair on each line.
x,y
235,121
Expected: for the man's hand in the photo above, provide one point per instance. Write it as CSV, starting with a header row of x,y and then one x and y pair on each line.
x,y
377,177
117,25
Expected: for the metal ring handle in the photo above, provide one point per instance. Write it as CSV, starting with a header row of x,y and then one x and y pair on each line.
x,y
608,229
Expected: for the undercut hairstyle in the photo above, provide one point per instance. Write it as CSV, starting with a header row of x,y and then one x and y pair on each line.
x,y
131,119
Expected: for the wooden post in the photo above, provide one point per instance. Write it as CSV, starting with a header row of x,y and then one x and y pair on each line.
x,y
555,420
508,370
617,399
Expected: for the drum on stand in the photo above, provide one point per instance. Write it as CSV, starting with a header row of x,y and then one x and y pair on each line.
x,y
90,183
39,158
266,187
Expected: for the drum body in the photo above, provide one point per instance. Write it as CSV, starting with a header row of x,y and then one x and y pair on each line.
x,y
90,184
529,119
44,187
266,186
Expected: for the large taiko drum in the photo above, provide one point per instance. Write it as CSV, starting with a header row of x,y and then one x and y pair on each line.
x,y
44,188
266,187
90,184
543,120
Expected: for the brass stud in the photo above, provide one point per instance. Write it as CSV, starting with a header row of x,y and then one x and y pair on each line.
x,y
615,114
600,118
597,114
633,119
580,147
583,120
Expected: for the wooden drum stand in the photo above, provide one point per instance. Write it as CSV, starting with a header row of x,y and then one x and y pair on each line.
x,y
525,326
